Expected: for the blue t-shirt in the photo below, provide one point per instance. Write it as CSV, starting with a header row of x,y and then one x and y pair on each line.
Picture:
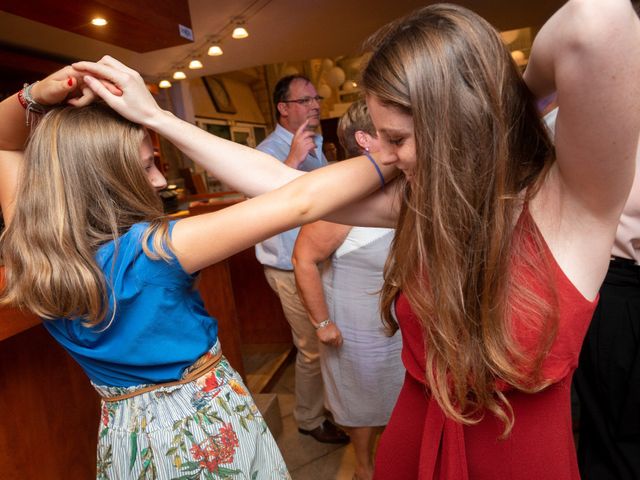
x,y
160,325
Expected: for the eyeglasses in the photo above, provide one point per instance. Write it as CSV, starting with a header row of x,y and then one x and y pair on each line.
x,y
304,101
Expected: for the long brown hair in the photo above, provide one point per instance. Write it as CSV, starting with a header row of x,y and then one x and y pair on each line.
x,y
480,145
82,184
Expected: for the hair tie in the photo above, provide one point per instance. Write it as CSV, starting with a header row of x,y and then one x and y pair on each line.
x,y
368,155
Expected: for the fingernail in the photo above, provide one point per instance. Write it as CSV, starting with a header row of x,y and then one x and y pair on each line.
x,y
70,82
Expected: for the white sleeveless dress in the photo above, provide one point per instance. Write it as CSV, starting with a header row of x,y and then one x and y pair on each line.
x,y
362,377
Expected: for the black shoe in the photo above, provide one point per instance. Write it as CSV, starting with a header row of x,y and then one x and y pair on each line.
x,y
327,432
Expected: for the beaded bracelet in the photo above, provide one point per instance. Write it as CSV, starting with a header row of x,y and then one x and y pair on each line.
x,y
28,103
368,155
21,99
323,324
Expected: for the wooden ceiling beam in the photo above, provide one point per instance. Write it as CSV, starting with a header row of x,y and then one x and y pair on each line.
x,y
12,60
140,25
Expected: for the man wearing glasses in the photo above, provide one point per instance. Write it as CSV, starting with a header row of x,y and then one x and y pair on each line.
x,y
296,143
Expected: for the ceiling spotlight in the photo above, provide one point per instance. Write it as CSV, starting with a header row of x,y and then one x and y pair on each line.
x,y
214,51
240,31
99,22
164,84
179,75
195,64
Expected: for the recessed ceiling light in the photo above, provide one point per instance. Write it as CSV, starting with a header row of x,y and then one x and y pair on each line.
x,y
179,75
99,22
195,64
164,84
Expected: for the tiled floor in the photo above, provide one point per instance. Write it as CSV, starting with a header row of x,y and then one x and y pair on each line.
x,y
306,458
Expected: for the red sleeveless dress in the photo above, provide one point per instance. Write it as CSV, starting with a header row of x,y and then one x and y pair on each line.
x,y
420,443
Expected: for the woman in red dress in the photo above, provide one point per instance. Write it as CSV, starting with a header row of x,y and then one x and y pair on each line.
x,y
502,242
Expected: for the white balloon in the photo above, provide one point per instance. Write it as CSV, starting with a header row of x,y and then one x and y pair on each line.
x,y
335,77
327,63
325,91
349,85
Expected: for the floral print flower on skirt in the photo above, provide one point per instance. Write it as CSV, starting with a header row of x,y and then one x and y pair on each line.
x,y
206,429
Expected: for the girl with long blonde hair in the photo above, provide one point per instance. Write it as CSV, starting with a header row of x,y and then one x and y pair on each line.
x,y
88,249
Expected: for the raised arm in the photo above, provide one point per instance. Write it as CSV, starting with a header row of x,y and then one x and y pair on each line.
x,y
315,243
54,89
301,145
64,84
13,134
245,169
589,52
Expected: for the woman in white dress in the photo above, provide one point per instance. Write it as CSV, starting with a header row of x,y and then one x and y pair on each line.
x,y
361,365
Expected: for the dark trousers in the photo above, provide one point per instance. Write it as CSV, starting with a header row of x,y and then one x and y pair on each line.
x,y
608,380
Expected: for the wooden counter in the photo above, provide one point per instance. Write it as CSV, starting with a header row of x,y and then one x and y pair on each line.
x,y
260,318
13,321
49,411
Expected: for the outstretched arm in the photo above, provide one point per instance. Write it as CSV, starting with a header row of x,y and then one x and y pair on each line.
x,y
245,169
315,243
205,239
380,209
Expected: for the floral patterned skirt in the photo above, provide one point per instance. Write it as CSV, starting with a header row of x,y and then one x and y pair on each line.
x,y
206,429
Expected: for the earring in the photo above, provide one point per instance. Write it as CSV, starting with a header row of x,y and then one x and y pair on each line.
x,y
366,149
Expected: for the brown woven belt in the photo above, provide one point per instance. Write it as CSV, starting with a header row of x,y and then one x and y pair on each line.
x,y
202,366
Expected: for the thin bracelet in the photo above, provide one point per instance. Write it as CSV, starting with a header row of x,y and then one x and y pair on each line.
x,y
28,98
21,99
28,103
368,155
323,324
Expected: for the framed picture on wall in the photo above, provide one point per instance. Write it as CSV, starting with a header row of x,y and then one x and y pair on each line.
x,y
220,128
219,95
243,135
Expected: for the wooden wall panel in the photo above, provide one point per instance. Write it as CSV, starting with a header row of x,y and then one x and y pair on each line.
x,y
141,26
49,412
260,319
215,287
259,310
